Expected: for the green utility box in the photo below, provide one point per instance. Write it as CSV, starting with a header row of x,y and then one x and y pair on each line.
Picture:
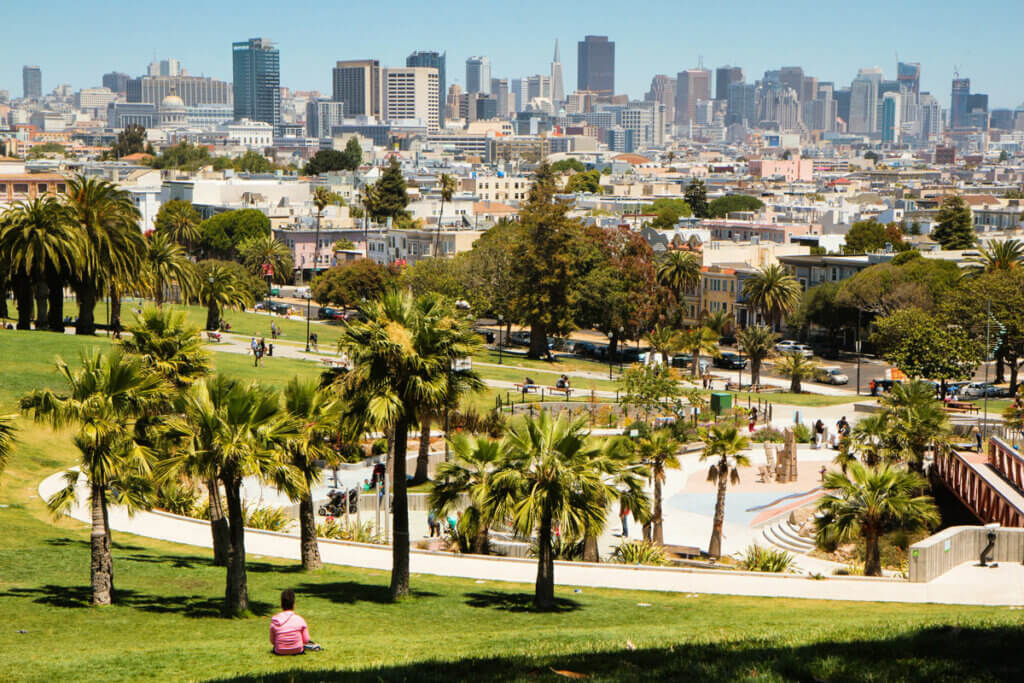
x,y
721,402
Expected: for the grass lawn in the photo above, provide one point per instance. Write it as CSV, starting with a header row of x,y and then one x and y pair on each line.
x,y
165,626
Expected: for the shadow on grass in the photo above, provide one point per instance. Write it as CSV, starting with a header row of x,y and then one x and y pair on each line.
x,y
186,605
64,541
517,602
933,654
350,592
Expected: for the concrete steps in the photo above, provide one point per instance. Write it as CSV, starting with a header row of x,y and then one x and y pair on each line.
x,y
785,536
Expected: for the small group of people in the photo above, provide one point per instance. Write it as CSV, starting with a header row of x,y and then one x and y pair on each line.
x,y
562,383
275,331
259,350
706,379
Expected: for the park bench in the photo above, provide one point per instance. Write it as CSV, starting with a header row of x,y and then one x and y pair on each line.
x,y
213,335
567,391
527,388
960,407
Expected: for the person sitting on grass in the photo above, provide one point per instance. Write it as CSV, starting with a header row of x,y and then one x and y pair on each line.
x,y
288,631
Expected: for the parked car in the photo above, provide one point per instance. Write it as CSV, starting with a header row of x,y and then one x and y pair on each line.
x,y
830,374
586,349
981,390
730,361
786,345
519,338
685,361
279,307
328,313
804,350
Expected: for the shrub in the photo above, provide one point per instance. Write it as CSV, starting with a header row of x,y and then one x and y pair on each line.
x,y
803,433
769,434
177,498
339,531
267,519
640,552
380,447
758,559
562,549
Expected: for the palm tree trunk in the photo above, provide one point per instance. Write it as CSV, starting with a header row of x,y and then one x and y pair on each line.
x,y
55,318
715,546
115,304
307,528
659,536
872,558
544,591
212,316
482,541
218,525
86,324
101,569
423,459
437,235
400,542
158,291
590,550
236,594
755,373
4,287
794,384
42,295
23,294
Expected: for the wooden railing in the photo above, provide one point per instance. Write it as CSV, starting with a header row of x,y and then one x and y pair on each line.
x,y
1008,461
976,485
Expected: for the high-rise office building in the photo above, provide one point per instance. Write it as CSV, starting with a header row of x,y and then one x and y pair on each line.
x,y
892,108
116,81
357,83
478,75
691,85
977,111
499,91
663,91
437,61
741,104
452,101
958,104
31,82
863,105
792,77
164,67
724,77
538,86
909,76
595,65
257,81
322,115
557,83
931,117
411,93
193,90
842,98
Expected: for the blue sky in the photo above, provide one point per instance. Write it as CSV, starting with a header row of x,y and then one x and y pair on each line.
x,y
76,42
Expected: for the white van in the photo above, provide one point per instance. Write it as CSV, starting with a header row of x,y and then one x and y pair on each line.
x,y
830,374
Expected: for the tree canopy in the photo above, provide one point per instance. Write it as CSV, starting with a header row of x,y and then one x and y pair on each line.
x,y
585,181
723,206
349,284
184,155
563,165
327,160
131,140
696,195
954,228
870,236
220,235
886,287
923,347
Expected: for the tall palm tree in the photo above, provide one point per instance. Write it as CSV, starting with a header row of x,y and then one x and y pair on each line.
x,y
660,451
680,272
235,431
871,439
219,288
446,186
757,342
664,341
106,398
267,257
113,246
724,446
317,412
179,221
797,368
718,322
167,262
397,368
868,502
453,337
6,440
697,341
468,474
168,344
624,480
549,478
773,292
41,250
916,420
997,255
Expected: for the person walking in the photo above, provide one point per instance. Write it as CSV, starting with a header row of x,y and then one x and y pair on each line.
x,y
314,341
753,418
254,346
263,350
624,517
819,433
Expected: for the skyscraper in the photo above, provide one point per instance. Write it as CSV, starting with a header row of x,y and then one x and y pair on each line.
x,y
357,84
596,65
742,104
958,105
724,76
478,75
411,94
436,61
499,91
322,115
909,76
892,108
864,101
117,82
557,84
663,91
32,82
257,81
792,77
691,85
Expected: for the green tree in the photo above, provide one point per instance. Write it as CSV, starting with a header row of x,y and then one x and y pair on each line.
x,y
797,368
663,341
221,235
184,156
587,182
998,255
818,306
353,155
730,203
486,270
679,271
723,446
869,502
468,474
660,451
773,292
390,193
168,345
343,245
564,165
219,288
179,220
911,283
446,187
7,440
954,227
435,275
865,237
647,387
349,284
105,399
327,160
167,263
131,140
696,196
41,150
757,342
253,162
697,341
266,256
919,345
916,422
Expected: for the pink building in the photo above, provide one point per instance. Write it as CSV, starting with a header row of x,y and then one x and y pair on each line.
x,y
793,170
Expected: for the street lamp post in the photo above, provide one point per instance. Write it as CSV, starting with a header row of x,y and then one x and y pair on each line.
x,y
501,325
610,359
739,352
622,339
858,351
316,262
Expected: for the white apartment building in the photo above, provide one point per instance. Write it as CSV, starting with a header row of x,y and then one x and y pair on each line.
x,y
147,201
410,246
247,133
498,188
411,93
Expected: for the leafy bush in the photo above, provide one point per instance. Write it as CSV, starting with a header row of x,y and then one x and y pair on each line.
x,y
640,552
267,519
758,559
177,498
769,434
803,433
380,447
562,549
339,531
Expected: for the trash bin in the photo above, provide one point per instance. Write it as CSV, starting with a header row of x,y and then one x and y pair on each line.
x,y
270,349
721,402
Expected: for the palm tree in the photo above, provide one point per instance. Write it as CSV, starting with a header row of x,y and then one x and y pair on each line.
x,y
773,292
660,451
549,478
757,342
870,501
168,344
446,186
113,246
916,420
680,272
696,341
664,341
871,439
468,475
219,288
725,444
997,255
718,322
166,262
41,250
397,368
317,412
234,431
106,398
797,368
6,440
179,221
267,257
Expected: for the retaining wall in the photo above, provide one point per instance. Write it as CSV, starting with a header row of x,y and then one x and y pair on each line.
x,y
938,554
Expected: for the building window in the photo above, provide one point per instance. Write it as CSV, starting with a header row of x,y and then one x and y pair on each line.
x,y
43,187
21,188
3,187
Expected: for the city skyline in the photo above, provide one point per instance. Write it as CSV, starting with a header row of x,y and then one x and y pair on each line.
x,y
65,48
